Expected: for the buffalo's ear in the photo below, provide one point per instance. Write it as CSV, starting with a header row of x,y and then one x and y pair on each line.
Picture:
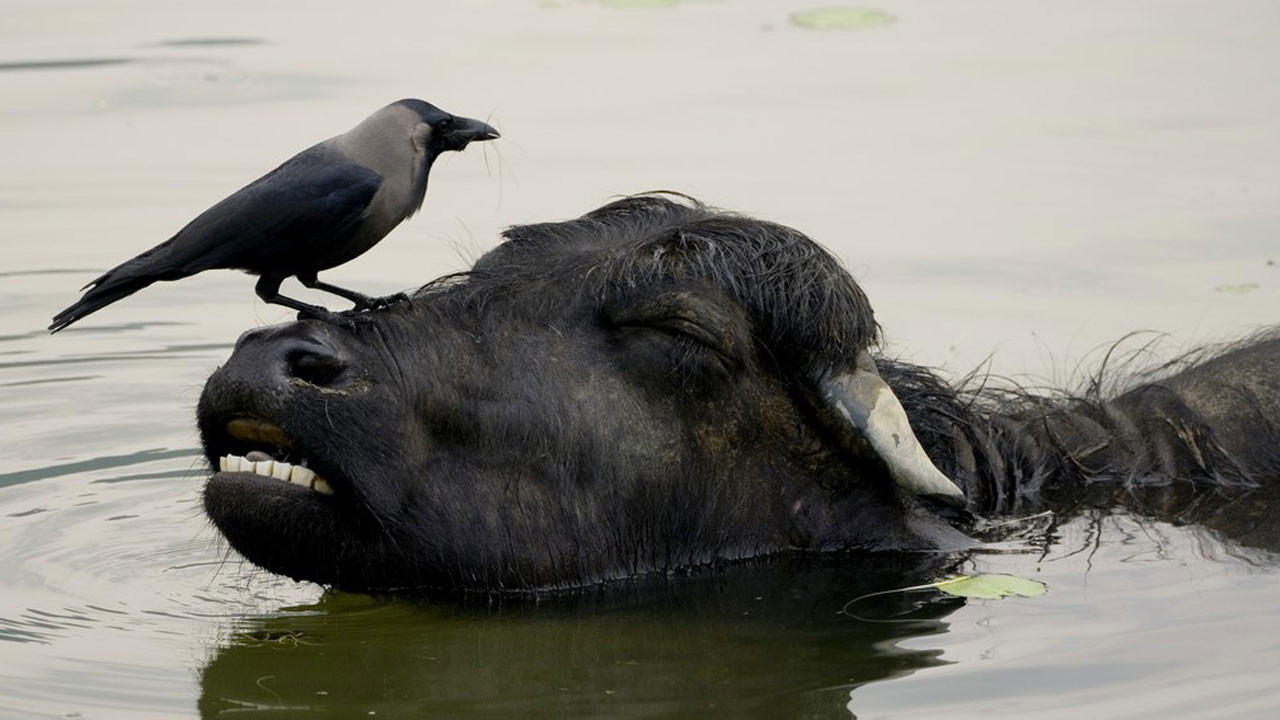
x,y
861,409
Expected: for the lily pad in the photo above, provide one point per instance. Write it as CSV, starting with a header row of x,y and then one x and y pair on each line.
x,y
841,18
991,586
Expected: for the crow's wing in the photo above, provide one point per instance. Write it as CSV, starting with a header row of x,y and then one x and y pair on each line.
x,y
278,223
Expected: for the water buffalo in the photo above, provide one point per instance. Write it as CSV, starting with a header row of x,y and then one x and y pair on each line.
x,y
656,387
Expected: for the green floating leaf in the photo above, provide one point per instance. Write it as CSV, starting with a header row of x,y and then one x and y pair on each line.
x,y
991,586
1238,289
841,18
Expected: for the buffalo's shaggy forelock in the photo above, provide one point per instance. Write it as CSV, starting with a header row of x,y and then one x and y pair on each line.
x,y
805,308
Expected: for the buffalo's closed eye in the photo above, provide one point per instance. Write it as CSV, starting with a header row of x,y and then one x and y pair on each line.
x,y
690,336
687,339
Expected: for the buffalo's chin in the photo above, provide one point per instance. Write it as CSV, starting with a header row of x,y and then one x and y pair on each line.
x,y
279,526
297,532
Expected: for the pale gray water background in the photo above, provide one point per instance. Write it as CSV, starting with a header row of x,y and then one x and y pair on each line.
x,y
1027,179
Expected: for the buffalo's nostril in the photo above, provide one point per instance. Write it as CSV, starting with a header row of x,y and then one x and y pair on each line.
x,y
314,365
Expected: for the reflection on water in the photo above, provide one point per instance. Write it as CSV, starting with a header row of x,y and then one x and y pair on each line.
x,y
758,642
771,641
1001,177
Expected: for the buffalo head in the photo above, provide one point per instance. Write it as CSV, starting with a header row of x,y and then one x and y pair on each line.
x,y
651,388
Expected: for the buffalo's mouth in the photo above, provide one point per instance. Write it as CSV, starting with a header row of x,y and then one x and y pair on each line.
x,y
283,502
255,447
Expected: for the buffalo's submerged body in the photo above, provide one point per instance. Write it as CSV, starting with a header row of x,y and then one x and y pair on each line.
x,y
638,392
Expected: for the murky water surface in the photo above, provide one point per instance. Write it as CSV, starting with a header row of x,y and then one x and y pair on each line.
x,y
1014,178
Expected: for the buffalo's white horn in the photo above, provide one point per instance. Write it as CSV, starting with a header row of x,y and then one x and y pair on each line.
x,y
865,400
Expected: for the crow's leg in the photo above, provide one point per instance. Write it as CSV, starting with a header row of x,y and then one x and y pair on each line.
x,y
362,301
268,288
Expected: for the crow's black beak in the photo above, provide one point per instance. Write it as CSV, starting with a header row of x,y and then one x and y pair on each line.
x,y
462,131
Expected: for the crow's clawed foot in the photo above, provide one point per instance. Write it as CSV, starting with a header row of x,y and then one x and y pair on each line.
x,y
330,317
378,303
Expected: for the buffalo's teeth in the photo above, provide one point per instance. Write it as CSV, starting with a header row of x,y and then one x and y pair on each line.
x,y
278,469
301,475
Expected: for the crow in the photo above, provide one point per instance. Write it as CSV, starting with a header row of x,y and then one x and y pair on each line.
x,y
322,207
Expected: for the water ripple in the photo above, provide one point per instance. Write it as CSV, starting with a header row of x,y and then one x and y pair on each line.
x,y
63,63
97,463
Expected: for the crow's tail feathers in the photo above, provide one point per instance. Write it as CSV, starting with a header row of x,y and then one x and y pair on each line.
x,y
102,292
